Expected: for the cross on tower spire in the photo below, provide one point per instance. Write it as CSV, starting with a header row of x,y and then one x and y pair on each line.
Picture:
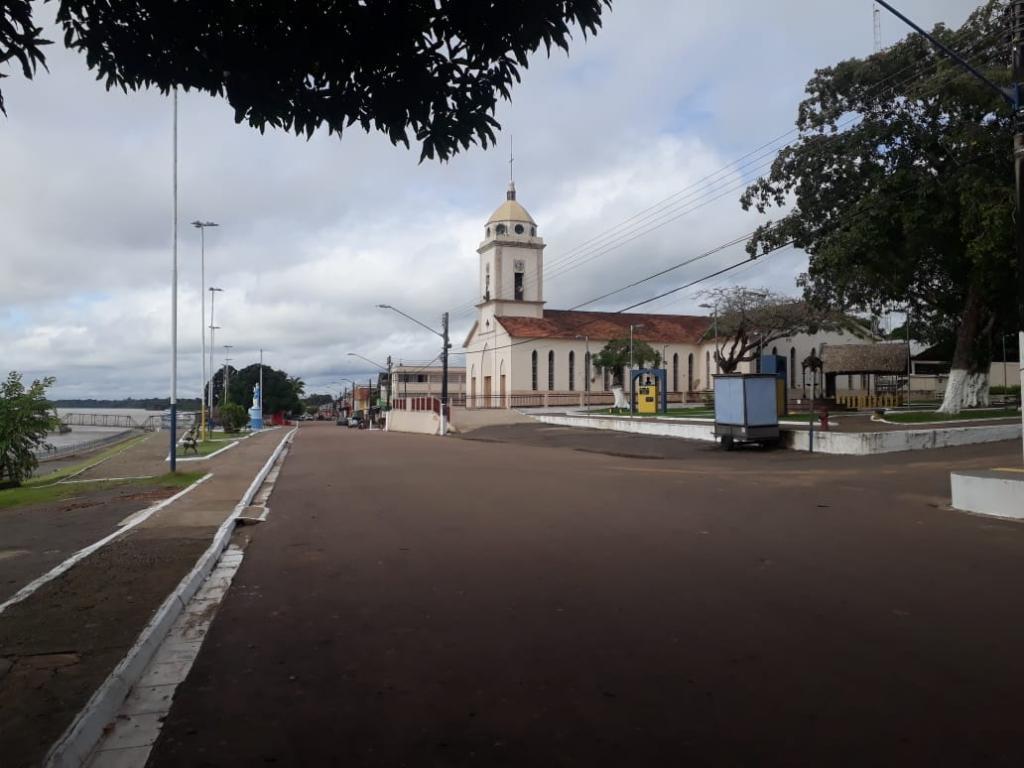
x,y
511,194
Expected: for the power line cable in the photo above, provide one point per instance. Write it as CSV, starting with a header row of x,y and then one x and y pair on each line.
x,y
562,265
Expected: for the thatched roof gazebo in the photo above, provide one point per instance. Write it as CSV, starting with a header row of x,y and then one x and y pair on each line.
x,y
881,359
887,360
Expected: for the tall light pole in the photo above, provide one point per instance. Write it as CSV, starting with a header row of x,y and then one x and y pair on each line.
x,y
631,327
213,295
445,346
201,226
586,380
174,292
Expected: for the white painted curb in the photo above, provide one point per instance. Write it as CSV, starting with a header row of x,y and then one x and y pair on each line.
x,y
209,455
842,443
73,748
136,518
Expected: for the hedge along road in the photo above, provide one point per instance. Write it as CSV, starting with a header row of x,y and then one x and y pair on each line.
x,y
423,601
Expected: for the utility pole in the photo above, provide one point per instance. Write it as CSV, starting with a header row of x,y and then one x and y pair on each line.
x,y
227,370
389,382
1013,96
444,373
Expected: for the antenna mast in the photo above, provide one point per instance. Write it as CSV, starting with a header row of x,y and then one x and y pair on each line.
x,y
877,13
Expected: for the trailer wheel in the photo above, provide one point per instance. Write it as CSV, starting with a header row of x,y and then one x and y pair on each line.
x,y
727,442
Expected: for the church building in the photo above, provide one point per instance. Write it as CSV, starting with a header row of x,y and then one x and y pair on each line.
x,y
518,353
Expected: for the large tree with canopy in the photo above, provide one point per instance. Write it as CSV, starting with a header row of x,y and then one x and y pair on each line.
x,y
900,189
428,71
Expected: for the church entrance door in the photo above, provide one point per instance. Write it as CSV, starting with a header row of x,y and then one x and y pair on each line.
x,y
487,391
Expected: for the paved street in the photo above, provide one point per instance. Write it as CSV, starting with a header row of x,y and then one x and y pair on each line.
x,y
530,600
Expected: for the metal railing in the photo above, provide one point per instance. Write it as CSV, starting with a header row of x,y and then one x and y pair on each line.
x,y
49,452
123,421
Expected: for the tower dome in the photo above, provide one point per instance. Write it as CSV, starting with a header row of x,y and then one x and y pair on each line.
x,y
511,210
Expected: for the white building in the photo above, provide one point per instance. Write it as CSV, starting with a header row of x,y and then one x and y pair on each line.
x,y
426,381
519,354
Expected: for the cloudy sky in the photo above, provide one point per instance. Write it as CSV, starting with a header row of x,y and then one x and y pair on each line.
x,y
315,233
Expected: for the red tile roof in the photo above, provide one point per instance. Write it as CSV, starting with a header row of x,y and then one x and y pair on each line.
x,y
566,324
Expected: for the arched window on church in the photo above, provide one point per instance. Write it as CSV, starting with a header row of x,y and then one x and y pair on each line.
x,y
689,372
551,370
572,371
533,362
675,372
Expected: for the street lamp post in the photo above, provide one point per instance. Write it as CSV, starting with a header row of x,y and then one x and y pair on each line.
x,y
631,327
213,295
586,379
174,291
445,346
201,226
714,309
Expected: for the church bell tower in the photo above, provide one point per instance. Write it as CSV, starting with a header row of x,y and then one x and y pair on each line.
x,y
511,264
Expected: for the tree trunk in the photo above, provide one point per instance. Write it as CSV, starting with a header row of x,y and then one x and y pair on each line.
x,y
968,384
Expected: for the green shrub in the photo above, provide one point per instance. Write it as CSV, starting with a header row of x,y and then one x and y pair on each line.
x,y
233,417
1005,390
26,416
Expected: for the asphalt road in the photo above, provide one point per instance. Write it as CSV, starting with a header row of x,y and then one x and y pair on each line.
x,y
414,601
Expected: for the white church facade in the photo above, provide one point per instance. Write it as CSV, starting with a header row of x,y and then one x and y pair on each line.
x,y
520,354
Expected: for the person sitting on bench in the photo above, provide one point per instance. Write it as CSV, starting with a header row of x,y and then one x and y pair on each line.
x,y
189,441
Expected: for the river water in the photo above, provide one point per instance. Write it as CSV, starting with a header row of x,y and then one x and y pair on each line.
x,y
79,435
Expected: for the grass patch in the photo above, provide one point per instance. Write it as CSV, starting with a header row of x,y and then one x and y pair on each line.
x,y
922,417
41,494
206,447
95,458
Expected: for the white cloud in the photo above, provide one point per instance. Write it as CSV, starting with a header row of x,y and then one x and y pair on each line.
x,y
315,233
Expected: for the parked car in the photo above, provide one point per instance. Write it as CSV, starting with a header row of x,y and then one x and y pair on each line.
x,y
356,419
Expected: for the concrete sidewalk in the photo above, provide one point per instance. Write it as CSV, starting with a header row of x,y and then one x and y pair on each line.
x,y
59,644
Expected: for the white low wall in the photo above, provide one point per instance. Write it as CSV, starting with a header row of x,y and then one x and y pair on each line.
x,y
419,422
866,443
637,426
989,493
843,443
